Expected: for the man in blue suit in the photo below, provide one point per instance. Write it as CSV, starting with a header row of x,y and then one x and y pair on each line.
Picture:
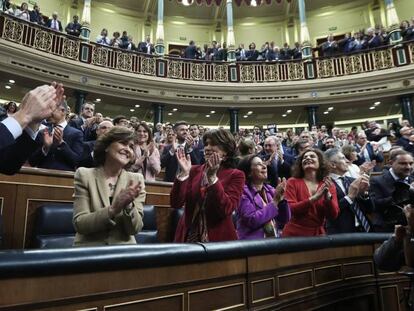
x,y
366,152
62,145
190,51
18,133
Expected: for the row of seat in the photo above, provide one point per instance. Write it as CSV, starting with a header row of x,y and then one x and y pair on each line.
x,y
54,227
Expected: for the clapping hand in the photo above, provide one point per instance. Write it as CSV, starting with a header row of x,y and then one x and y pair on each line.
x,y
58,135
47,138
327,184
124,198
280,191
184,162
212,165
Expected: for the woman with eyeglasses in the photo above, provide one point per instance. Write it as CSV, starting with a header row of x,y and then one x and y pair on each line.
x,y
263,211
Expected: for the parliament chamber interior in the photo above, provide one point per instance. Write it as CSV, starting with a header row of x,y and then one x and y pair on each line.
x,y
207,155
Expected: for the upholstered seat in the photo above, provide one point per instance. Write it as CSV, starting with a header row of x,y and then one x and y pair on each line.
x,y
54,227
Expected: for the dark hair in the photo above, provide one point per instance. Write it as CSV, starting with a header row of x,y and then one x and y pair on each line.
x,y
395,153
298,172
225,141
245,145
115,134
178,123
147,128
194,125
117,119
245,165
87,103
9,104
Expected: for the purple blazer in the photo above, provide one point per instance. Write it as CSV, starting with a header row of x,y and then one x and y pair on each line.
x,y
253,213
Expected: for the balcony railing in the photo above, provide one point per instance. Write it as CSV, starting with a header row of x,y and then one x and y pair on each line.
x,y
62,45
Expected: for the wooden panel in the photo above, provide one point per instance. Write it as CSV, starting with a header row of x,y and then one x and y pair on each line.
x,y
170,303
390,298
293,282
329,274
358,269
225,297
262,290
8,209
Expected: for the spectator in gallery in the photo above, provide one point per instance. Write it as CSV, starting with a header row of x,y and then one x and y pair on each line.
x,y
146,46
329,47
209,193
222,53
74,27
116,39
241,53
263,211
297,51
54,23
108,200
103,38
311,196
190,51
373,39
35,16
5,5
23,12
252,54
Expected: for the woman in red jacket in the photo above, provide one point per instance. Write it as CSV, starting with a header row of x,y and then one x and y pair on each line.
x,y
311,196
209,192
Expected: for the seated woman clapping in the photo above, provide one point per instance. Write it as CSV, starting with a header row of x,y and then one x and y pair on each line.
x,y
311,196
209,192
108,207
262,209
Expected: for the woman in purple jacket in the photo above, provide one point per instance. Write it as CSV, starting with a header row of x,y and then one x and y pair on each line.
x,y
262,210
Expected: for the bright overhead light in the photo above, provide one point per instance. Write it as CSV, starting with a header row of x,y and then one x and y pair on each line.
x,y
372,108
186,3
170,113
108,10
250,112
212,111
284,115
330,108
326,112
12,81
377,103
8,87
136,106
178,23
132,110
175,109
245,116
289,111
253,3
207,116
98,100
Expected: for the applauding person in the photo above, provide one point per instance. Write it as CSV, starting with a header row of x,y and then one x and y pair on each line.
x,y
108,207
262,209
147,155
311,196
209,192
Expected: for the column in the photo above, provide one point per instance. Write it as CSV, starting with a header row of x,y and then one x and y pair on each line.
x,y
158,113
304,32
407,108
159,45
86,21
234,120
231,42
393,22
312,119
80,100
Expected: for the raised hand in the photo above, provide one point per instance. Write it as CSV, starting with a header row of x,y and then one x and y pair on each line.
x,y
184,162
189,140
280,191
327,184
47,138
125,197
212,165
58,135
367,166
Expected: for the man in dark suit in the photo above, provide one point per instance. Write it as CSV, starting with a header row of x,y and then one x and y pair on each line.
x,y
183,141
87,122
366,152
35,16
18,133
74,28
54,23
146,47
61,144
197,143
390,191
278,163
352,194
190,51
88,146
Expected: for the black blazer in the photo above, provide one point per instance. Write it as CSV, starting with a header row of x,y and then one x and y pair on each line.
x,y
87,159
190,52
49,24
345,222
64,157
386,213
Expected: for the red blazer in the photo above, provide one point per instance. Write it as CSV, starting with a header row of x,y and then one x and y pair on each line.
x,y
223,198
308,219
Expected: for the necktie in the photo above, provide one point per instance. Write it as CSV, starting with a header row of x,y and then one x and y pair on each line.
x,y
355,209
